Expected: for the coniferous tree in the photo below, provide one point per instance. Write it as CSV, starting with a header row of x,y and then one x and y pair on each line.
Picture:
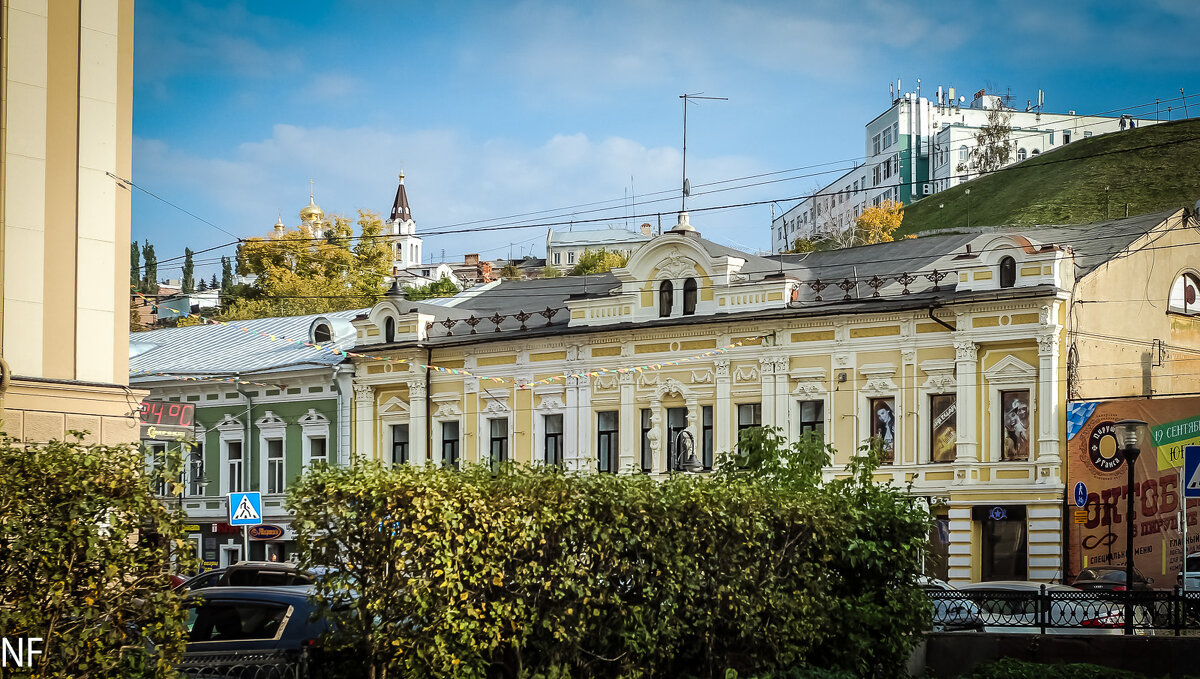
x,y
226,274
213,284
202,285
135,266
150,279
188,285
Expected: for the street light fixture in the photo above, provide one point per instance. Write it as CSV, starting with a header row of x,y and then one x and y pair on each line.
x,y
1128,432
685,453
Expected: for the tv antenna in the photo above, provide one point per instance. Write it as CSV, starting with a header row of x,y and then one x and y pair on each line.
x,y
687,187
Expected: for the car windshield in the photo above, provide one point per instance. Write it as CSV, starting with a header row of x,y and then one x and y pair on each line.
x,y
234,620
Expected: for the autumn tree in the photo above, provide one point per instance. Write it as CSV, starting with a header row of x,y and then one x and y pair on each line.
x,y
598,261
310,271
877,224
511,272
992,149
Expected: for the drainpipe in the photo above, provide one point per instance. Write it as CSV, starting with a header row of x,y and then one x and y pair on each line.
x,y
939,321
247,446
428,400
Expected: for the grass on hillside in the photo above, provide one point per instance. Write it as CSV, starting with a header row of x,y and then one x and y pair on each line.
x,y
1150,169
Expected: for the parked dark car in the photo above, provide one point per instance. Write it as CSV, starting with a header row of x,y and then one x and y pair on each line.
x,y
255,632
251,574
1110,579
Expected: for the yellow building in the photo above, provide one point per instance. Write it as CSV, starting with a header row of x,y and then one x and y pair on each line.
x,y
66,108
951,348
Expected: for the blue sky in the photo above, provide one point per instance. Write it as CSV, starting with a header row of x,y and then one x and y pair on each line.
x,y
498,109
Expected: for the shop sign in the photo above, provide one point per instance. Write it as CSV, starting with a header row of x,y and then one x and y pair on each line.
x,y
266,531
191,527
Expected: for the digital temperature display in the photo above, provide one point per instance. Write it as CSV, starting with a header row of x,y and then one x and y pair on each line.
x,y
167,413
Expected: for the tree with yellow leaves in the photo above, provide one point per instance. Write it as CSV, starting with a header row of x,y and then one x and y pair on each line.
x,y
877,224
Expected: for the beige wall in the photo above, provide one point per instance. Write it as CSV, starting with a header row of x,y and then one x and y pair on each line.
x,y
66,103
1121,309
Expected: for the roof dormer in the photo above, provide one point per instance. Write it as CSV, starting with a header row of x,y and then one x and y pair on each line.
x,y
999,261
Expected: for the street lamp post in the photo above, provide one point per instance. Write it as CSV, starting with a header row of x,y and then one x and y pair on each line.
x,y
1128,431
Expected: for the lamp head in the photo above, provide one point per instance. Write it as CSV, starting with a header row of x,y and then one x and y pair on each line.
x,y
1127,433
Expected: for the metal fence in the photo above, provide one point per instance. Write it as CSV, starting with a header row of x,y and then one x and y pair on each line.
x,y
1050,610
247,665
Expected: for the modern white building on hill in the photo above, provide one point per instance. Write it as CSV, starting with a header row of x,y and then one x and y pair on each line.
x,y
563,248
918,147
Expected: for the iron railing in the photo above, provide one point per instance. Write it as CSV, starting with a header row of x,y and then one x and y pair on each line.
x,y
1053,610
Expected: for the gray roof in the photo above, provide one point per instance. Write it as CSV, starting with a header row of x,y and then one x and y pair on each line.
x,y
227,349
597,237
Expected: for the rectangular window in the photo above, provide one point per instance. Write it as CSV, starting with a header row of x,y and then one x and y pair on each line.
x,y
498,442
883,426
943,428
1014,425
706,436
450,444
318,453
195,469
233,456
1005,554
553,443
571,257
812,418
1066,136
274,466
875,144
676,422
156,460
896,132
399,443
1087,133
557,258
647,453
606,442
887,137
749,415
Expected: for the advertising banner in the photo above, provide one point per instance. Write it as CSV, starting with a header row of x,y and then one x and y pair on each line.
x,y
1095,458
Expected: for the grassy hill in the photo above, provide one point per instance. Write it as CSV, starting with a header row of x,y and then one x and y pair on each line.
x,y
1148,169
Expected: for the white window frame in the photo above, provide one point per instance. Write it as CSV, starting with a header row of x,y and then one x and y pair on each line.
x,y
940,380
551,403
271,427
393,411
494,406
1010,374
313,425
879,384
231,430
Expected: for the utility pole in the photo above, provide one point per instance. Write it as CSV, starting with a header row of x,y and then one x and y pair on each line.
x,y
1184,97
687,189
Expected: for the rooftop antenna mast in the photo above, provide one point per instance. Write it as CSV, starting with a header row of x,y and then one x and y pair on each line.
x,y
687,189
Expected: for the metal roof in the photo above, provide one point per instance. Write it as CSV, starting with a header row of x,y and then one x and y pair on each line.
x,y
597,237
227,349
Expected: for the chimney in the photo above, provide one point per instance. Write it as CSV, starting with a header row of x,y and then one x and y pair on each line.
x,y
471,259
646,229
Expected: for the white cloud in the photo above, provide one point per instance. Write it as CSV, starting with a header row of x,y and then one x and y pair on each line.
x,y
451,181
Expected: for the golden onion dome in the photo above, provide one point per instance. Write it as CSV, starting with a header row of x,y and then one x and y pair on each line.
x,y
311,212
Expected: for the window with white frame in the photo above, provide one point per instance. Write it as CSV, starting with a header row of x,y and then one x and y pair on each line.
x,y
195,469
883,426
156,461
271,445
748,415
399,444
234,471
812,417
647,451
314,428
1184,296
552,439
318,452
497,441
275,461
450,443
1012,403
570,257
606,442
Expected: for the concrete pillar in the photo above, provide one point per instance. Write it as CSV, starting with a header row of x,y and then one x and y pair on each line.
x,y
1048,457
723,428
966,369
418,426
766,374
630,425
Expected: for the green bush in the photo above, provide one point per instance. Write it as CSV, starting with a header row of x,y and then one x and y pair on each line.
x,y
532,572
1008,668
85,550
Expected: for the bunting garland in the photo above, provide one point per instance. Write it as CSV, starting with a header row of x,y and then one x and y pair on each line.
x,y
437,368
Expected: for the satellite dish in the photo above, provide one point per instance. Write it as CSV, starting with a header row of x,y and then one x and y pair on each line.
x,y
687,187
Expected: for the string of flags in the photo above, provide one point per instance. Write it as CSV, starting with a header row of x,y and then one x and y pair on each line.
x,y
436,368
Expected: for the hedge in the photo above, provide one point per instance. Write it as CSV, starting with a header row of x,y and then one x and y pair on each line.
x,y
758,568
85,550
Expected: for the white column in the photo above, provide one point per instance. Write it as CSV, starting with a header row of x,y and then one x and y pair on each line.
x,y
343,377
722,421
766,374
585,450
418,423
571,425
364,421
630,427
966,373
782,364
1048,458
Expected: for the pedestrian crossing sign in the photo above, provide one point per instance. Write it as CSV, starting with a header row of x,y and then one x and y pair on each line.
x,y
1191,471
245,509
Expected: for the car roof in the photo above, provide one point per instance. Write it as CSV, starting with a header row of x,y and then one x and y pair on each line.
x,y
1017,585
279,593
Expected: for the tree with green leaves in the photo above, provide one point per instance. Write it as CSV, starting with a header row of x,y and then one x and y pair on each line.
x,y
992,149
135,267
550,271
202,286
188,285
226,274
149,269
439,288
86,551
511,272
213,284
597,261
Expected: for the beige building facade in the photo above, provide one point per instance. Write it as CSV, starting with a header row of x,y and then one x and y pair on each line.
x,y
958,351
66,108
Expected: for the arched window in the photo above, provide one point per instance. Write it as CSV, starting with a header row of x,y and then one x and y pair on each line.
x,y
666,292
689,297
1184,295
389,329
963,154
321,334
1021,155
1035,152
1008,272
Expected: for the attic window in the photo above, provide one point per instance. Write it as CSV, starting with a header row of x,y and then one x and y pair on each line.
x,y
666,292
322,334
389,329
1008,272
689,297
1184,293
